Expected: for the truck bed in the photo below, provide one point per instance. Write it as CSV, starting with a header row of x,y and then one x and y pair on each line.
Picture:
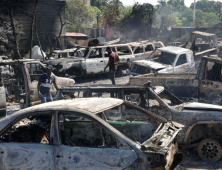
x,y
141,79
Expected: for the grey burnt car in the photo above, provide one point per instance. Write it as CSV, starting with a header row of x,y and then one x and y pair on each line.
x,y
75,134
202,122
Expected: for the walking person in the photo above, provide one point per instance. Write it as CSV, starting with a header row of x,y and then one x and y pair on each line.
x,y
45,83
112,64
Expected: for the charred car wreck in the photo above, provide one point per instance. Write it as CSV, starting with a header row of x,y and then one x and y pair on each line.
x,y
202,44
202,122
92,60
20,79
76,134
165,60
141,50
205,86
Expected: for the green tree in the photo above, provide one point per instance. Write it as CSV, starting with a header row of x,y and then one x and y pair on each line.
x,y
204,5
141,18
98,3
177,5
211,19
79,16
111,12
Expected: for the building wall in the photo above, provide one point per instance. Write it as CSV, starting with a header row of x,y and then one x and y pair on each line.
x,y
47,27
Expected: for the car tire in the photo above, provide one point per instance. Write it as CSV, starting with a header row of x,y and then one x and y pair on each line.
x,y
209,150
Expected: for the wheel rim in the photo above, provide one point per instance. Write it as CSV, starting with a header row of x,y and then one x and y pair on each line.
x,y
209,150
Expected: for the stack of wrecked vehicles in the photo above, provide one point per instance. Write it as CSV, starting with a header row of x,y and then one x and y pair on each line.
x,y
183,59
79,133
202,122
90,60
76,134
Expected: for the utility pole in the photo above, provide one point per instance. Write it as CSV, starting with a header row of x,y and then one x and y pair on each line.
x,y
194,9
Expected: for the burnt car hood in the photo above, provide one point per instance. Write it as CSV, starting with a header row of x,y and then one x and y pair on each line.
x,y
151,64
63,60
201,106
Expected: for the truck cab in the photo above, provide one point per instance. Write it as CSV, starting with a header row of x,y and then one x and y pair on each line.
x,y
165,60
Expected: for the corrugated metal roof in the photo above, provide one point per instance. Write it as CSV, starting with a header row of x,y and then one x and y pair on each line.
x,y
73,34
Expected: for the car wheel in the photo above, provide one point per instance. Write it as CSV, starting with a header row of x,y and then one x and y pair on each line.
x,y
209,150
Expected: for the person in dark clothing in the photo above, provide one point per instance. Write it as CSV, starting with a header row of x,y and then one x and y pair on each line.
x,y
112,64
45,83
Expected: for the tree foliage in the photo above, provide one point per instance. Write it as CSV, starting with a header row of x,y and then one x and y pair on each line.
x,y
140,18
111,12
173,13
79,16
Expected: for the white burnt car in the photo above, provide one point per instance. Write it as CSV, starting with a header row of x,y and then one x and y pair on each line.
x,y
165,60
91,60
75,134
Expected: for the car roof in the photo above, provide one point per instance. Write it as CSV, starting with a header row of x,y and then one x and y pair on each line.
x,y
173,49
92,105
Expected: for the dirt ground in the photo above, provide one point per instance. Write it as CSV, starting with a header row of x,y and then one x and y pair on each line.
x,y
191,161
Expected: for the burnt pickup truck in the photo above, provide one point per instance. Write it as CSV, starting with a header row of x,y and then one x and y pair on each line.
x,y
91,60
20,79
165,60
205,86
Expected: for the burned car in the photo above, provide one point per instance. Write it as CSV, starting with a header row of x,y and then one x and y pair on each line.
x,y
202,122
141,50
169,60
92,60
205,86
20,79
202,125
71,134
202,44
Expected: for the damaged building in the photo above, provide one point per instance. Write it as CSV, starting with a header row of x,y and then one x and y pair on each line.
x,y
18,25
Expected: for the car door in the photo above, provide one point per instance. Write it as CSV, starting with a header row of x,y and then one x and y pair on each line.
x,y
181,64
86,145
26,144
211,84
95,61
148,50
139,53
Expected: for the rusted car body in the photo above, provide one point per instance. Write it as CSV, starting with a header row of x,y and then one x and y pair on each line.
x,y
205,86
202,122
92,60
75,134
20,81
141,50
169,60
202,125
